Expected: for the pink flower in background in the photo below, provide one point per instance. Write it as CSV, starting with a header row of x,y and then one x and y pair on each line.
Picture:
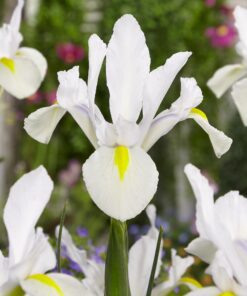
x,y
51,97
221,36
71,174
35,98
70,53
210,3
227,11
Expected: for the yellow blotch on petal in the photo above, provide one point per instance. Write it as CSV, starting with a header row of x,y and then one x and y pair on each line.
x,y
188,280
9,63
17,292
121,160
199,112
227,294
46,280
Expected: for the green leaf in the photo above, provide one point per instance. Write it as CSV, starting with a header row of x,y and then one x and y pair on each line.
x,y
156,256
116,272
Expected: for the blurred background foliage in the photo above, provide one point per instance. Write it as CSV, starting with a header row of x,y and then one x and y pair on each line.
x,y
169,26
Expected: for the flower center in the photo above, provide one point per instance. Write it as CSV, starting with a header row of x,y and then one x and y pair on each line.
x,y
121,160
222,31
199,112
9,63
46,280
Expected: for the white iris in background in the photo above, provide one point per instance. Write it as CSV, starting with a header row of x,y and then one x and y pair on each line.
x,y
141,257
232,75
120,176
30,254
223,236
21,69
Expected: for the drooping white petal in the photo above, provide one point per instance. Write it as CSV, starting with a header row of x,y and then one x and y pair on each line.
x,y
36,57
240,15
16,16
53,284
121,181
225,77
39,258
190,97
220,142
208,291
27,200
202,248
176,271
41,124
127,67
239,92
23,80
4,264
97,52
159,81
72,89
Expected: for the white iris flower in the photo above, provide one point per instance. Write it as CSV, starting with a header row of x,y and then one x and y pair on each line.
x,y
141,257
233,75
30,254
21,69
120,176
223,235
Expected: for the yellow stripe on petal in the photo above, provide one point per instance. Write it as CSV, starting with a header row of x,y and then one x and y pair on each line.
x,y
187,280
121,160
229,293
199,112
9,63
46,280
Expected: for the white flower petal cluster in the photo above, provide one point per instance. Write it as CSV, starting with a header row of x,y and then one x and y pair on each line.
x,y
222,237
22,69
23,271
234,75
120,176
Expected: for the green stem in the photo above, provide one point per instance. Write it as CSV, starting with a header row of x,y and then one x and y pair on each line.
x,y
59,239
156,257
116,271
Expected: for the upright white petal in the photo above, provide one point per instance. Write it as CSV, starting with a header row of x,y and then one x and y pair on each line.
x,y
4,264
121,184
159,81
225,77
240,15
41,124
27,200
220,142
53,284
16,17
127,67
23,80
239,95
97,52
36,57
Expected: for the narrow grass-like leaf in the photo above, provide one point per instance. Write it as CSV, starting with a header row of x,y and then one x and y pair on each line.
x,y
59,239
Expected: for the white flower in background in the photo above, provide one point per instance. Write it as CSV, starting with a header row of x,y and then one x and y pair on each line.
x,y
232,75
120,176
141,256
223,234
30,254
21,69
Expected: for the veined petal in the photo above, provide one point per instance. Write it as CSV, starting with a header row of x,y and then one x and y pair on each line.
x,y
240,15
220,142
225,77
53,284
97,52
36,57
41,124
121,181
127,66
159,81
239,92
27,200
23,80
